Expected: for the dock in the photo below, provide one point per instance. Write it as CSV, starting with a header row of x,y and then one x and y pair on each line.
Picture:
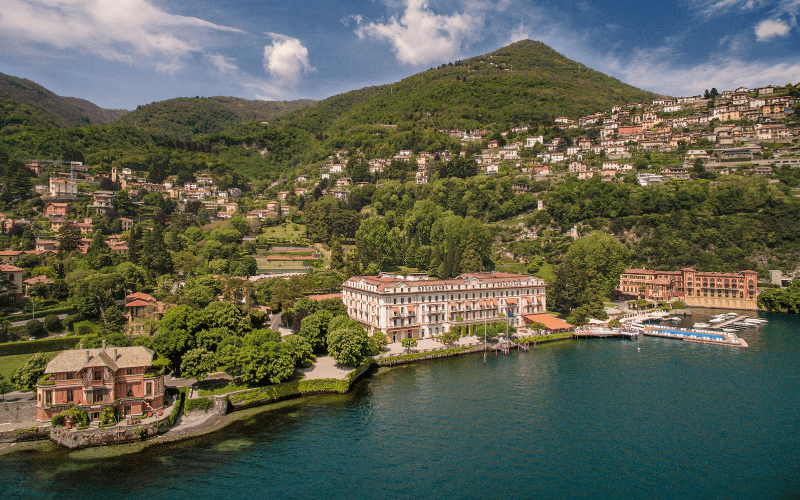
x,y
728,322
606,333
692,335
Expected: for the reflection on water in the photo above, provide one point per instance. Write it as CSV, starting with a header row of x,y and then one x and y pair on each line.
x,y
595,418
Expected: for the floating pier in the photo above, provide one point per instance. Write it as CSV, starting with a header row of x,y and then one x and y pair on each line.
x,y
691,335
606,333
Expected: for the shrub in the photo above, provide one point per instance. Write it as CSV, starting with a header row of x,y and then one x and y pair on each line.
x,y
204,404
34,346
76,416
70,320
52,323
678,305
58,420
35,328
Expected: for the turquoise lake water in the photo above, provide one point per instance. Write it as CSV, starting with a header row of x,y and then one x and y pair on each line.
x,y
597,418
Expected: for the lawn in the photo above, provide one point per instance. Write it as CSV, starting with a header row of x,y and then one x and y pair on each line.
x,y
8,364
220,389
288,231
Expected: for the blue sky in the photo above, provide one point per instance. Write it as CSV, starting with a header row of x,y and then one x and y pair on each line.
x,y
122,53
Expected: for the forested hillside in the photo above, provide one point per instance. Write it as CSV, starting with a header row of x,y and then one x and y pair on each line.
x,y
25,105
185,117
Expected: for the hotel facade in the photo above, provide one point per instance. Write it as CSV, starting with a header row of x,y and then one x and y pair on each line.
x,y
417,307
694,288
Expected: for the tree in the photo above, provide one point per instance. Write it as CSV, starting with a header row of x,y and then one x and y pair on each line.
x,y
471,261
373,242
349,345
337,254
449,337
588,274
408,343
98,253
176,333
197,363
26,376
314,328
34,328
122,203
534,265
69,238
4,386
377,341
52,323
93,294
159,260
271,362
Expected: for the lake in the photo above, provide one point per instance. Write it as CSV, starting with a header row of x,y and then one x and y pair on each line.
x,y
595,418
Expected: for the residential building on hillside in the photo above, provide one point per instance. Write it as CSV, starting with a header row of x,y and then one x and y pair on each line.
x,y
694,288
95,379
417,307
63,187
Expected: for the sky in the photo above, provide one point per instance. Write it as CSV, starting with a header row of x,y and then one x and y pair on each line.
x,y
124,53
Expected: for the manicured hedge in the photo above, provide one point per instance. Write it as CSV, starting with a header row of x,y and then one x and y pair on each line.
x,y
176,408
204,404
280,391
423,355
34,346
40,314
545,338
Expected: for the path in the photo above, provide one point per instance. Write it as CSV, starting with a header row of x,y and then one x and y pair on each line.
x,y
22,323
326,367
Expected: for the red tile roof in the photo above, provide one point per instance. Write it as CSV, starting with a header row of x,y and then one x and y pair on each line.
x,y
550,322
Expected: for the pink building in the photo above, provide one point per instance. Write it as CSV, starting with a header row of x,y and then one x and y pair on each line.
x,y
94,379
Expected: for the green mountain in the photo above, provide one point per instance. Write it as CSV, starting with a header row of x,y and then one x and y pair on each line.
x,y
185,117
26,105
522,83
98,115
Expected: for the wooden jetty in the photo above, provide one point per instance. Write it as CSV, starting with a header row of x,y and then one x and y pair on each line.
x,y
606,333
728,322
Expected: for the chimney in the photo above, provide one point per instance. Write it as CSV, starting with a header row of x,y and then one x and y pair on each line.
x,y
104,344
87,355
114,354
80,346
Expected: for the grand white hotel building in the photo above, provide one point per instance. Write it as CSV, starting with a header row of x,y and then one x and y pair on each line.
x,y
417,307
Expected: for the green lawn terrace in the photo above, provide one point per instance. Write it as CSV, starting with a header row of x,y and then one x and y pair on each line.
x,y
287,259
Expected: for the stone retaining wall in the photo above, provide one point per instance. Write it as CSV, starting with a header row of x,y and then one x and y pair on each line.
x,y
32,434
12,412
74,439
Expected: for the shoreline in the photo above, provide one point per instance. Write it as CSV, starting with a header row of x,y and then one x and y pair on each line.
x,y
195,424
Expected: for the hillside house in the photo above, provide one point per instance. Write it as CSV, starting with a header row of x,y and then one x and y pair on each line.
x,y
56,210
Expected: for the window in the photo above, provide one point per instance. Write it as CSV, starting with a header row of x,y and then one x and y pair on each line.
x,y
129,390
97,396
69,396
129,371
98,375
48,398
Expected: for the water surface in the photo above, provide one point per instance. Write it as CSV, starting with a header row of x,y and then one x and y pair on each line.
x,y
596,418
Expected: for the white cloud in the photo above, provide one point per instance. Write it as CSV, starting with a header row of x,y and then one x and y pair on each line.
x,y
419,36
224,64
286,60
711,8
658,75
133,31
769,28
520,33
